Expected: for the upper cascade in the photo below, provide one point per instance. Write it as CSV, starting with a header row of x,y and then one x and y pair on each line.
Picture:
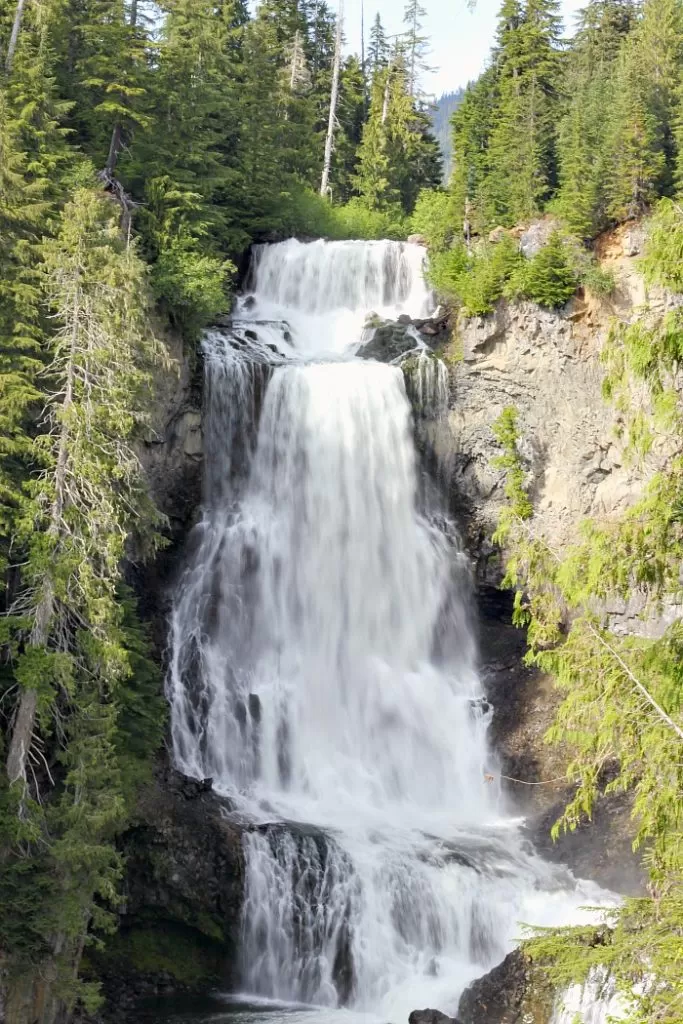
x,y
324,292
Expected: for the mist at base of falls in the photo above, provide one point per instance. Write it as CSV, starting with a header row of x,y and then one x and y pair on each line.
x,y
324,666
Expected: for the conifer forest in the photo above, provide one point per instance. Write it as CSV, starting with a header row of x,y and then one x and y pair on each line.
x,y
157,159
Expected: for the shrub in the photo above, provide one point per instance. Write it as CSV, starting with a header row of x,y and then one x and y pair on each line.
x,y
192,285
435,219
548,279
309,214
476,281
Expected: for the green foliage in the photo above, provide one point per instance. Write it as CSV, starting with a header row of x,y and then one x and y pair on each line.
x,y
434,218
584,131
192,960
506,433
476,281
549,278
398,155
309,214
140,156
192,286
621,719
663,261
593,134
84,711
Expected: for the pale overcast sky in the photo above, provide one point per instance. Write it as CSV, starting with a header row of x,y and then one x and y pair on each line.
x,y
461,38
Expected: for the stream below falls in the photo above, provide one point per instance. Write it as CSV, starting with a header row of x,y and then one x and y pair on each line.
x,y
324,666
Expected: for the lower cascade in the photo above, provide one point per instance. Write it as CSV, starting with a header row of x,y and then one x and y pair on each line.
x,y
324,668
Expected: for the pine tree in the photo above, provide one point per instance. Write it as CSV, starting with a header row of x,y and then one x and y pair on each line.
x,y
417,45
33,155
351,118
583,133
522,146
108,82
66,626
378,48
399,155
374,180
472,129
637,162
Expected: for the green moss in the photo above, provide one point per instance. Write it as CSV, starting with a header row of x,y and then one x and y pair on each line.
x,y
190,958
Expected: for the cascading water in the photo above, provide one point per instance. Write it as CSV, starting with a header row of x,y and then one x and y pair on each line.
x,y
323,667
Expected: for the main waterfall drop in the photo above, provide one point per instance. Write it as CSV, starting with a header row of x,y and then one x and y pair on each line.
x,y
323,669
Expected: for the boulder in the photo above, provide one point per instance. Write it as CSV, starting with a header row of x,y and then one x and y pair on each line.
x,y
515,992
389,342
536,236
431,1017
417,240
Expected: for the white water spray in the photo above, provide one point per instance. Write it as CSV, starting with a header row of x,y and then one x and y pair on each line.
x,y
323,668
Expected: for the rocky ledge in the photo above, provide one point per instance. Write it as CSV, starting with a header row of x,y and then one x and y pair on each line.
x,y
183,889
515,992
395,338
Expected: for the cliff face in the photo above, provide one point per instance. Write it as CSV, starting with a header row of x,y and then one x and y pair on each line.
x,y
548,365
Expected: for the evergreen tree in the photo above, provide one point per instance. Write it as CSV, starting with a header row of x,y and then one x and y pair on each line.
x,y
66,631
378,48
417,45
398,156
351,119
472,129
640,148
637,162
583,134
522,145
33,155
374,180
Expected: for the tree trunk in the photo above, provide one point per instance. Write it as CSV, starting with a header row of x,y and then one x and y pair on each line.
x,y
14,38
334,98
363,63
387,96
117,133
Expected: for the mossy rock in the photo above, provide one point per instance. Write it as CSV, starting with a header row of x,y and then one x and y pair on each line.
x,y
168,951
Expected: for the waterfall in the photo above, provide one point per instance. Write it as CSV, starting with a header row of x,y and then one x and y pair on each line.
x,y
323,669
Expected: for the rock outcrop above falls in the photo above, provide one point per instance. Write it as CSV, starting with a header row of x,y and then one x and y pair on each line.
x,y
393,339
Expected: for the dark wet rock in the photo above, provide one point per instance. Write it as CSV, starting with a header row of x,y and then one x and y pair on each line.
x,y
515,992
190,788
390,341
226,319
183,891
173,452
395,338
525,702
431,1017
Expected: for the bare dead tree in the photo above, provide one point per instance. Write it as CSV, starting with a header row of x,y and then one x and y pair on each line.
x,y
14,37
334,99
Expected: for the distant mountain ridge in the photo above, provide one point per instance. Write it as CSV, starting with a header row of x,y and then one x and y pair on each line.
x,y
441,121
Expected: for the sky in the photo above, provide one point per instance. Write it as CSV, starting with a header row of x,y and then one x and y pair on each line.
x,y
461,38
